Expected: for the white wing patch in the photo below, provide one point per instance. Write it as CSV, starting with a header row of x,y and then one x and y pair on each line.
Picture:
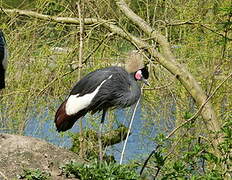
x,y
76,103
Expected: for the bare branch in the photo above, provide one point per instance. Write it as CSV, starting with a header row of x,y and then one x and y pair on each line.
x,y
65,20
189,22
79,74
200,109
167,59
145,27
184,123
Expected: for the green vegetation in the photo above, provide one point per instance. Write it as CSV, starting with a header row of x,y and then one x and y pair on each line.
x,y
34,174
43,67
195,159
90,140
99,171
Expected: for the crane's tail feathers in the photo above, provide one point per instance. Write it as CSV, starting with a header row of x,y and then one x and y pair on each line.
x,y
63,121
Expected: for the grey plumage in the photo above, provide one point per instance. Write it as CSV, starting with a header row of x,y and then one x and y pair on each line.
x,y
115,88
121,90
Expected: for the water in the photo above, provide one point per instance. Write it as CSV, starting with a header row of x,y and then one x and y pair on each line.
x,y
41,125
37,127
136,147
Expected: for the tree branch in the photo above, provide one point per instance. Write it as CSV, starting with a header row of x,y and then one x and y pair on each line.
x,y
167,59
199,24
200,109
63,20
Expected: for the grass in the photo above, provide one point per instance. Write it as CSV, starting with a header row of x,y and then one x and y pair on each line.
x,y
99,171
34,174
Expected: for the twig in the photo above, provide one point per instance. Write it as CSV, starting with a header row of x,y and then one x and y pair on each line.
x,y
150,155
96,48
157,172
81,40
154,151
173,132
200,109
189,22
160,87
79,74
55,79
14,92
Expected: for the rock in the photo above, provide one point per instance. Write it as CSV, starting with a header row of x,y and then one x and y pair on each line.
x,y
21,152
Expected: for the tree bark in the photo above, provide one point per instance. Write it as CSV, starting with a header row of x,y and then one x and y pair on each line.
x,y
168,60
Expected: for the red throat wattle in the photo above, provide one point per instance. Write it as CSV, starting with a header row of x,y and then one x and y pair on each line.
x,y
138,75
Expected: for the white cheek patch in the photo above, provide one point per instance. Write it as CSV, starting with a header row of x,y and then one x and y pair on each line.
x,y
76,103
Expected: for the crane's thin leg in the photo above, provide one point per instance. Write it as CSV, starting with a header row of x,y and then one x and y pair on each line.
x,y
100,135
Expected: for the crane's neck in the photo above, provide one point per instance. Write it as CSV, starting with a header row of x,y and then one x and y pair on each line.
x,y
135,90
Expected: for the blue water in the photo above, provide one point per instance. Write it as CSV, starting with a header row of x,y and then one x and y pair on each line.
x,y
41,125
137,145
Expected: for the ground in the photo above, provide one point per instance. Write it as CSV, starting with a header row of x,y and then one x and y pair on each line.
x,y
21,152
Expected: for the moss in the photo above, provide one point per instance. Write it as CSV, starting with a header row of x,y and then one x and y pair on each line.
x,y
90,141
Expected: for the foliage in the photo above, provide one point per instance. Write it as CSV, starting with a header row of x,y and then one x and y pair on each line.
x,y
34,174
195,159
100,170
43,56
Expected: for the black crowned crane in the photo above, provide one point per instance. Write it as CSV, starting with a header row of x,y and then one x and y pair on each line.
x,y
100,90
3,59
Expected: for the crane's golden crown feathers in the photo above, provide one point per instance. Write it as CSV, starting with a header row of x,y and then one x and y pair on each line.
x,y
134,61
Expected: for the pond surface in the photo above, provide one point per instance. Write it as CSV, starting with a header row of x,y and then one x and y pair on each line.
x,y
137,145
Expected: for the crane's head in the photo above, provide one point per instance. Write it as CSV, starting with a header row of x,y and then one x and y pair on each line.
x,y
135,65
142,75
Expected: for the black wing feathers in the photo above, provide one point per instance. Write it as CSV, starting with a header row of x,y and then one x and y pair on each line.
x,y
2,56
118,89
2,77
111,93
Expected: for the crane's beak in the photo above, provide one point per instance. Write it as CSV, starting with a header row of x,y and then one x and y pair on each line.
x,y
146,82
